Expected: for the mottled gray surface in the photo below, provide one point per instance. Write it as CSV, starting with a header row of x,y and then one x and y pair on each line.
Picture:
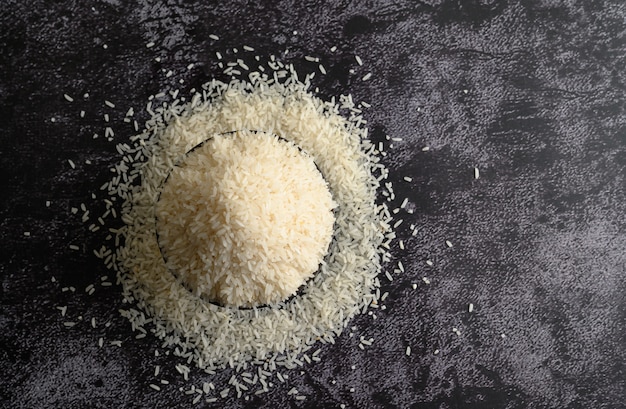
x,y
531,92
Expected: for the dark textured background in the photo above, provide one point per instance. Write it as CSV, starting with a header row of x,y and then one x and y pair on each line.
x,y
531,92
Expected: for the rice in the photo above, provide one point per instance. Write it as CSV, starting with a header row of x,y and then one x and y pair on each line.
x,y
245,220
213,336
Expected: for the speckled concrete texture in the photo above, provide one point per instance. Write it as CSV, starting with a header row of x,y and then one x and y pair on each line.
x,y
530,92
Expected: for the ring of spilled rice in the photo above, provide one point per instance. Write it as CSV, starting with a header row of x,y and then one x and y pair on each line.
x,y
251,229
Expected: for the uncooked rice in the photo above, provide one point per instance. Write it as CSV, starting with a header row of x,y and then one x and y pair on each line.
x,y
246,219
214,336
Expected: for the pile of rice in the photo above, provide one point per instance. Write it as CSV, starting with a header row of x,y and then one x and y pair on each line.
x,y
245,219
346,282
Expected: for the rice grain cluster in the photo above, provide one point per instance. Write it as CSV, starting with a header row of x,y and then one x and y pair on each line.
x,y
333,134
245,219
